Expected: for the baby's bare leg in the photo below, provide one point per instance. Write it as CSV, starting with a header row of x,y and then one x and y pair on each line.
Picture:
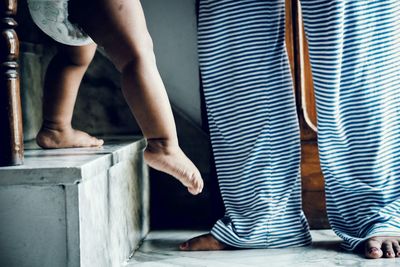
x,y
63,77
119,26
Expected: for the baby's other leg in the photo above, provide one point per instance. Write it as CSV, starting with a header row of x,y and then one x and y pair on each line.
x,y
63,77
119,26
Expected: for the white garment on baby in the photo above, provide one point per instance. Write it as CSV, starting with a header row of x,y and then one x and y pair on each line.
x,y
51,16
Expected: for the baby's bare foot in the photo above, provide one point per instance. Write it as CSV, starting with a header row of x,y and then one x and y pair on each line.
x,y
203,243
170,159
65,138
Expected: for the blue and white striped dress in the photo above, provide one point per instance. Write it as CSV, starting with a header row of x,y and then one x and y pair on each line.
x,y
355,56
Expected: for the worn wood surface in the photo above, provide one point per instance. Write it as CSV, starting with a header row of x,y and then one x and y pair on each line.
x,y
313,187
306,96
11,135
312,179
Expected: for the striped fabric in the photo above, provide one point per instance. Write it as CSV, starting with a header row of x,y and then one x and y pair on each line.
x,y
355,57
354,50
253,122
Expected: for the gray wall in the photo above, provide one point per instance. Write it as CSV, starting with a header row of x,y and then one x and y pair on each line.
x,y
172,24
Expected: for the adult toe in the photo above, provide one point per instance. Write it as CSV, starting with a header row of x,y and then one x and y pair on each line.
x,y
191,244
202,243
373,249
387,249
396,248
184,246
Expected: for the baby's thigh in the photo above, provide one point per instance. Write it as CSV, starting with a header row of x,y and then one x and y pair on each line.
x,y
117,25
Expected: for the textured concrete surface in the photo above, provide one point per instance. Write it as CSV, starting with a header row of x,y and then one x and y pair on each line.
x,y
32,226
74,207
160,249
31,69
114,215
69,166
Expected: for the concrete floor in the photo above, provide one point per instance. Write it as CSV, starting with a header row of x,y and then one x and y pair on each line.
x,y
160,250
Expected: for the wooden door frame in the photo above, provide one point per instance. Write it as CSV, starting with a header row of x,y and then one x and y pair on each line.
x,y
313,193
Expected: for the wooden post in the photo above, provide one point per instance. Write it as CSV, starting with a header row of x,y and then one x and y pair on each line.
x,y
11,135
313,193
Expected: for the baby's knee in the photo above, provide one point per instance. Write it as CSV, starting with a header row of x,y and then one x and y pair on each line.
x,y
147,48
137,54
143,52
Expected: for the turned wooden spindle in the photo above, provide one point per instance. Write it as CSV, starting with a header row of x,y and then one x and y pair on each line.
x,y
11,135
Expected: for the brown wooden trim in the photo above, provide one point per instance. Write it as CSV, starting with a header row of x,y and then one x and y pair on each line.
x,y
289,38
302,76
11,134
312,179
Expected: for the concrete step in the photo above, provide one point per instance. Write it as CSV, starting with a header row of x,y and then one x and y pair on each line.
x,y
74,207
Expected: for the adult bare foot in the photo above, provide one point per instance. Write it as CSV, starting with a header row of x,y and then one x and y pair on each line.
x,y
162,156
382,247
65,137
202,243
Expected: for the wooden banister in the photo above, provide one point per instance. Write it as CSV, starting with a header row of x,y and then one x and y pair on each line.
x,y
11,134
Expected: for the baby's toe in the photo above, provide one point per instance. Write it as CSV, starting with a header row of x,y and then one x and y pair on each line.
x,y
193,190
94,142
99,142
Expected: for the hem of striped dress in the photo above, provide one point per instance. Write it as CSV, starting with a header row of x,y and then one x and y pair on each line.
x,y
225,234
